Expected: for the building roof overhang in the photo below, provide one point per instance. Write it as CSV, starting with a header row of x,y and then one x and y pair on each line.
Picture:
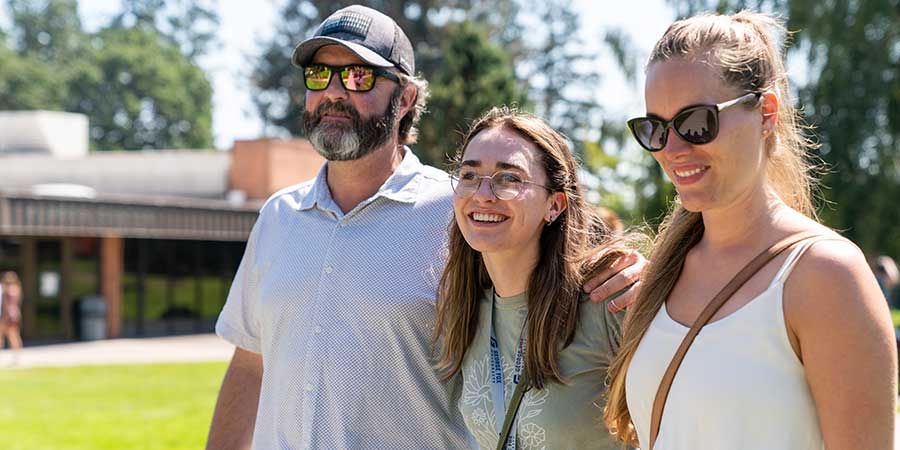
x,y
22,213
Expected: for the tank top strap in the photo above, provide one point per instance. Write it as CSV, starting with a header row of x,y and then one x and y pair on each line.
x,y
785,271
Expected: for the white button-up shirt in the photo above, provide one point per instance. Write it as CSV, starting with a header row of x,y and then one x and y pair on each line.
x,y
341,307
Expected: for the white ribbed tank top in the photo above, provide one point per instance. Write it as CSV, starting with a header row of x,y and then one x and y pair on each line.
x,y
740,386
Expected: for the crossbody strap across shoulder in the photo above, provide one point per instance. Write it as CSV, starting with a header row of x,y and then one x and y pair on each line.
x,y
757,263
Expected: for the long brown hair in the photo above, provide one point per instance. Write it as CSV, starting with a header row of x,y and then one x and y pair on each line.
x,y
554,288
744,47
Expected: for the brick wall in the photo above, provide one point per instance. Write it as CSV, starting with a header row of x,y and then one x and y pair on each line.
x,y
261,167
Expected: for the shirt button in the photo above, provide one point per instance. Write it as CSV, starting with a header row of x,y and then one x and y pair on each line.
x,y
329,269
317,330
309,388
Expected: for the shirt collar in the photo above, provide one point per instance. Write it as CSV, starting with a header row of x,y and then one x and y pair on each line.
x,y
401,186
318,193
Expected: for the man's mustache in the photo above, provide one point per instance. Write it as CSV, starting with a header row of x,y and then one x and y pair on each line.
x,y
338,108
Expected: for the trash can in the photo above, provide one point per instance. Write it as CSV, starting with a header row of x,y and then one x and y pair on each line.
x,y
92,318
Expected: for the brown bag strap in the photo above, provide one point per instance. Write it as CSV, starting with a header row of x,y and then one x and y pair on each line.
x,y
659,403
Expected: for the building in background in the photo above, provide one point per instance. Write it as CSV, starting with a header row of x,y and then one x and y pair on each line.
x,y
156,234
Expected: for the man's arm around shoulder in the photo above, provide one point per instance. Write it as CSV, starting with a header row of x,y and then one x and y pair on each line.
x,y
235,413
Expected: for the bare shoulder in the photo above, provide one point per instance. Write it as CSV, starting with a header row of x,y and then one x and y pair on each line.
x,y
832,282
833,263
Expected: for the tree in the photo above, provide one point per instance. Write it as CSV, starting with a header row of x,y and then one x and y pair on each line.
x,y
140,88
474,77
28,83
560,76
278,91
551,68
852,97
140,92
48,30
189,24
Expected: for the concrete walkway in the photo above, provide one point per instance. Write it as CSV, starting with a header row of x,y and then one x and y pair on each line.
x,y
176,349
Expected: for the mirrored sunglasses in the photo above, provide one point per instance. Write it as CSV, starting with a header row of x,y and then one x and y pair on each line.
x,y
354,78
695,124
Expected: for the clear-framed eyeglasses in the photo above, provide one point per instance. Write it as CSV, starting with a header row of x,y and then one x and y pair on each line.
x,y
505,185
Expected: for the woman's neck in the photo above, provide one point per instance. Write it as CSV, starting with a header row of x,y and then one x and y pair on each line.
x,y
744,222
510,271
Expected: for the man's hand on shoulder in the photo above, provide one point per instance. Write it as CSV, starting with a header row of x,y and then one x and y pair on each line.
x,y
624,274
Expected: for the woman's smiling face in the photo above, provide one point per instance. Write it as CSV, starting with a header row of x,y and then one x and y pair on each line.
x,y
491,225
721,172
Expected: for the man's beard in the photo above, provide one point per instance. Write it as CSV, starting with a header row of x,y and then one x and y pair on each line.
x,y
343,142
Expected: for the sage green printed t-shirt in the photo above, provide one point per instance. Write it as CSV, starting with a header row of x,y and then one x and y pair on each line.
x,y
558,416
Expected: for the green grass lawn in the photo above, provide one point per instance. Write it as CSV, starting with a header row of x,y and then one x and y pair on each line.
x,y
895,314
109,407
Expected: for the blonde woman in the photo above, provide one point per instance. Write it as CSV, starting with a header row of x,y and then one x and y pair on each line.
x,y
510,303
802,356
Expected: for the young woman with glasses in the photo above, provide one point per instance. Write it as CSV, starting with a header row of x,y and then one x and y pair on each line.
x,y
802,355
511,307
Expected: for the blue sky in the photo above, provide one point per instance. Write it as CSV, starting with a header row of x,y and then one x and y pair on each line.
x,y
244,24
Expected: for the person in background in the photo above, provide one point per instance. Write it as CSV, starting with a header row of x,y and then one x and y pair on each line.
x,y
610,220
887,275
802,356
11,312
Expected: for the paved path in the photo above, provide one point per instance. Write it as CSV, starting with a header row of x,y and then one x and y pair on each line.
x,y
176,349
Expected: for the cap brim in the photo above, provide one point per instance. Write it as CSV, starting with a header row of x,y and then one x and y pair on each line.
x,y
304,52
